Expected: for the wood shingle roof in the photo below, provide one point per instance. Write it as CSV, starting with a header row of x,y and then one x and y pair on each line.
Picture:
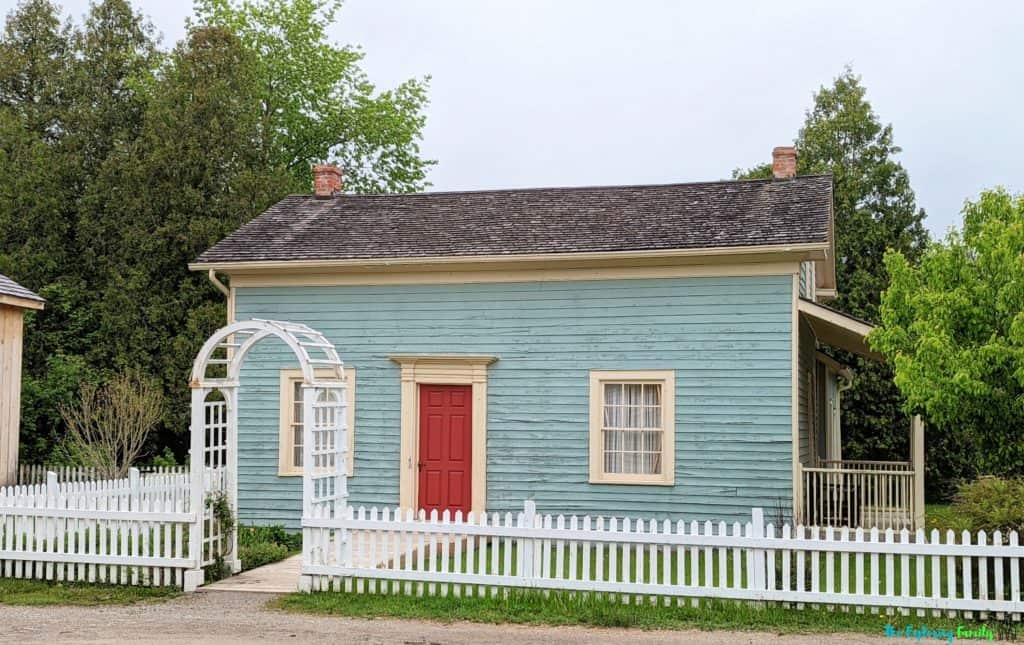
x,y
535,221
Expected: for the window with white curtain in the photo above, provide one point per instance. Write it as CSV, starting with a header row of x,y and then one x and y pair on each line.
x,y
632,427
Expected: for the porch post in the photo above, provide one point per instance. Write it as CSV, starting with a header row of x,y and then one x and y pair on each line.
x,y
798,494
917,460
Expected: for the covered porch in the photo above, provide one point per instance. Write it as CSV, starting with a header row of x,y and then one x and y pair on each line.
x,y
829,490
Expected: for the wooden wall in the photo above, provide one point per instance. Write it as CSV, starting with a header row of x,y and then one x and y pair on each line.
x,y
11,323
727,338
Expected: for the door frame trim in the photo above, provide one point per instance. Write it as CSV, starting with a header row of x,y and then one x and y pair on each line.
x,y
441,370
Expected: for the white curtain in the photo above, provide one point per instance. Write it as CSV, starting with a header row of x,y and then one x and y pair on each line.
x,y
632,428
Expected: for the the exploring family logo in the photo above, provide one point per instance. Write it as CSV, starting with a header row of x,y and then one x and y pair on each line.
x,y
923,632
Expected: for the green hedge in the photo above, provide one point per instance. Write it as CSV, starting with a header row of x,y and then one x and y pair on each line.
x,y
260,545
990,504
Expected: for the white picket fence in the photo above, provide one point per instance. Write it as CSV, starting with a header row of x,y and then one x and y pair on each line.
x,y
29,474
391,551
122,531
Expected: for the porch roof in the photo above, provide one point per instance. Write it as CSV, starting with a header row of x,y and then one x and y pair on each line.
x,y
837,329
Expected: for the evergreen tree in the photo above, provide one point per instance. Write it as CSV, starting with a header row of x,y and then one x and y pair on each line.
x,y
120,163
875,210
191,177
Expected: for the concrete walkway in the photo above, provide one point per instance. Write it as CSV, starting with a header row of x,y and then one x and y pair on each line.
x,y
277,577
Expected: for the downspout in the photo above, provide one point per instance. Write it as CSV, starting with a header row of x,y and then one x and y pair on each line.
x,y
223,288
229,295
845,383
846,376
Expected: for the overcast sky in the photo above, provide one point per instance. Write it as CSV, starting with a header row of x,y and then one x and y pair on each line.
x,y
529,93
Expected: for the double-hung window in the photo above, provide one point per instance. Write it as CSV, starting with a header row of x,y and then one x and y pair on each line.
x,y
632,427
291,443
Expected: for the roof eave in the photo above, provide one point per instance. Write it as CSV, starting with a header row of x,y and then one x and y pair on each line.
x,y
22,303
801,251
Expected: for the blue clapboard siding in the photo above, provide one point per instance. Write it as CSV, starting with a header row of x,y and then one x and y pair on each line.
x,y
727,338
807,363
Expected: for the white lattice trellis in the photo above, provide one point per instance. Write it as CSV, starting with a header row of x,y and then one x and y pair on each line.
x,y
214,431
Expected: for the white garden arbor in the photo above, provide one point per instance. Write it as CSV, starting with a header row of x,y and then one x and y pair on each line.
x,y
214,431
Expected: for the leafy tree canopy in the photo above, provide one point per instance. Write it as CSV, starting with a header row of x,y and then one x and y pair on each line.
x,y
953,325
315,101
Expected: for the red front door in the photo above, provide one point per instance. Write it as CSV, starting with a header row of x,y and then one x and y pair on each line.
x,y
446,434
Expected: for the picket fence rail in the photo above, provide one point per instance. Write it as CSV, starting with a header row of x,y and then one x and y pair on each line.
x,y
395,551
123,531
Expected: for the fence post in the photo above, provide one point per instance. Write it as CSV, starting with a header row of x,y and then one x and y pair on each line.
x,y
757,580
528,519
134,489
51,488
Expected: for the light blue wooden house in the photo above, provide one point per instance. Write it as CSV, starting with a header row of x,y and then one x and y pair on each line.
x,y
629,350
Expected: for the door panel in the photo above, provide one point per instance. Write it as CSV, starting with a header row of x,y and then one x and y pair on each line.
x,y
446,434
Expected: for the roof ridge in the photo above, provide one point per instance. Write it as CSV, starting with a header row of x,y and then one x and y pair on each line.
x,y
525,189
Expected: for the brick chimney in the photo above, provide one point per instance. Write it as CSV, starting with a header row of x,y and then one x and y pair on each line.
x,y
784,162
326,181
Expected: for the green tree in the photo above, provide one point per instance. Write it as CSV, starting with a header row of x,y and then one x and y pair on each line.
x,y
317,104
875,210
120,163
953,326
34,52
191,177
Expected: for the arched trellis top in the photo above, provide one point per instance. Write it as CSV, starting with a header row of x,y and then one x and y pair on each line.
x,y
228,347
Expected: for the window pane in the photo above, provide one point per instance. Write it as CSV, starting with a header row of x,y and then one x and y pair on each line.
x,y
613,394
652,394
632,428
297,456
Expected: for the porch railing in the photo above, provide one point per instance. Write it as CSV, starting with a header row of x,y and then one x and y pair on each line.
x,y
864,494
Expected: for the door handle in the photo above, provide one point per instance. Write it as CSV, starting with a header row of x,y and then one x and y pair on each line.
x,y
421,465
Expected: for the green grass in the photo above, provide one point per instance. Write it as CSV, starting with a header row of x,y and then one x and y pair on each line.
x,y
697,565
596,610
39,592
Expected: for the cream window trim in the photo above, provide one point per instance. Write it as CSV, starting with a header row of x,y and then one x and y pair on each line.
x,y
285,459
667,380
442,369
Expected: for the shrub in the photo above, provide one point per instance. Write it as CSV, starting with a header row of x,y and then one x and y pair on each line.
x,y
108,425
259,554
991,504
251,535
259,545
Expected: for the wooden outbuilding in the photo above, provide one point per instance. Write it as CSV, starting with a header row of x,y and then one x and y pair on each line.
x,y
15,300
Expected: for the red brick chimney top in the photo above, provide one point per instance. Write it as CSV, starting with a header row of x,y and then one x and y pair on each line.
x,y
326,181
784,162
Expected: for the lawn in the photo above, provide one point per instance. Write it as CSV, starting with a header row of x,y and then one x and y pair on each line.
x,y
708,567
595,610
39,592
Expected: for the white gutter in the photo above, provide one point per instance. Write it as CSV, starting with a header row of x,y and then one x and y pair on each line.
x,y
223,288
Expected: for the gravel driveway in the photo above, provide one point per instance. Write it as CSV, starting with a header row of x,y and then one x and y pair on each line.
x,y
233,617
